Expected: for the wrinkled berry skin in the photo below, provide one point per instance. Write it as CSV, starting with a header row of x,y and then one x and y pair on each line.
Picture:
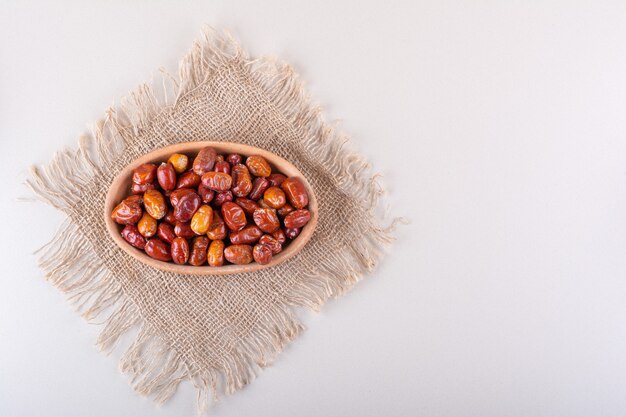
x,y
180,251
187,207
272,243
217,181
246,236
297,218
258,166
154,203
132,236
215,254
157,249
233,216
199,248
127,212
242,182
238,254
266,219
262,254
295,192
205,160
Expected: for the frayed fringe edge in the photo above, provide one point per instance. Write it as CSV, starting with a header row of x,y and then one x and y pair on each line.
x,y
156,369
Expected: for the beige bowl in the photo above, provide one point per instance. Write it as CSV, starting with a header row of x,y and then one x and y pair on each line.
x,y
120,188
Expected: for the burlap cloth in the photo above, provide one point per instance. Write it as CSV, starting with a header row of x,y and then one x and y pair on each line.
x,y
216,331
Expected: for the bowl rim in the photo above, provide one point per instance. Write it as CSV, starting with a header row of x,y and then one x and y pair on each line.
x,y
119,187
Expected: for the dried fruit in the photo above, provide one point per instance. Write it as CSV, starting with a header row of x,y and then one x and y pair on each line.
x,y
259,185
246,236
262,254
206,195
188,180
297,219
222,166
176,195
179,162
258,166
187,206
169,217
126,212
199,247
132,236
274,197
147,225
272,243
296,193
279,235
276,179
233,159
266,219
242,183
233,216
135,199
141,188
285,210
154,203
247,205
205,160
157,249
144,174
217,231
217,181
165,231
166,176
180,250
292,233
215,254
183,229
238,254
202,219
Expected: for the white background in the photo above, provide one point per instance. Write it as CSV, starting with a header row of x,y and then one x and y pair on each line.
x,y
500,128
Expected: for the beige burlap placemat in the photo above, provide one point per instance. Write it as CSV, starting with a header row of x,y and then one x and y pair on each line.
x,y
216,331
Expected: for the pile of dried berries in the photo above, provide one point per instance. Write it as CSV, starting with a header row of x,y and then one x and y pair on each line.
x,y
215,209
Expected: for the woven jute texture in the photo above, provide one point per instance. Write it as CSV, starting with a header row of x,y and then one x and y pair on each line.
x,y
216,331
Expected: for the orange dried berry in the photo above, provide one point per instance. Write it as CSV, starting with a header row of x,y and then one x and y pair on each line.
x,y
274,197
202,219
147,225
179,162
258,166
154,203
215,254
